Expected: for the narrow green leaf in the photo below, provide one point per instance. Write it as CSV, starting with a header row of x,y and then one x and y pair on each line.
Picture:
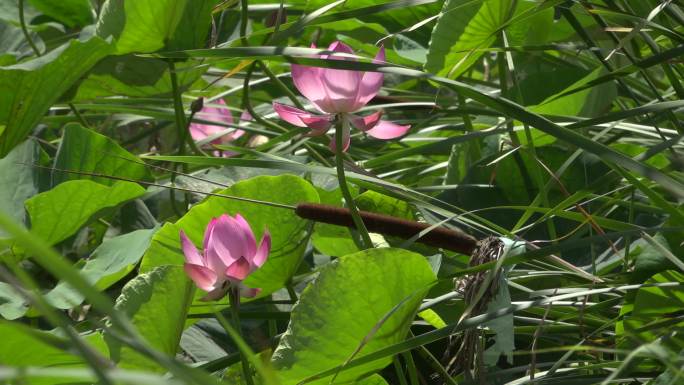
x,y
589,102
659,58
676,213
654,304
135,76
502,105
443,146
22,346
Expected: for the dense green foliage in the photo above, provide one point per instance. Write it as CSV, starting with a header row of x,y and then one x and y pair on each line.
x,y
556,126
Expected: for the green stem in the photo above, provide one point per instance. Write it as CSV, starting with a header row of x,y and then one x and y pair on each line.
x,y
346,194
243,22
234,297
399,371
475,152
411,367
25,30
191,142
181,129
279,15
178,109
628,239
291,95
78,115
273,332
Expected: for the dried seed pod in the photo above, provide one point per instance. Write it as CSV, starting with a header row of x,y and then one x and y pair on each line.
x,y
464,353
197,105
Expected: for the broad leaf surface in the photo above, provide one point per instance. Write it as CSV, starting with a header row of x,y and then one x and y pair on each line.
x,y
87,151
70,12
18,180
463,28
156,302
375,379
652,306
383,204
60,212
13,42
31,87
335,240
349,298
110,262
393,19
12,304
330,239
149,25
23,346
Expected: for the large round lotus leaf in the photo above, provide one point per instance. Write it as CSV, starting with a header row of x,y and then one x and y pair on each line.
x,y
340,310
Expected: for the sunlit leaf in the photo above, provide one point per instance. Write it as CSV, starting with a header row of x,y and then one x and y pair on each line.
x,y
156,302
462,29
60,212
87,151
380,288
24,99
110,262
148,25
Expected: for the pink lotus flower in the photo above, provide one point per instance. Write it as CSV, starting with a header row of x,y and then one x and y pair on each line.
x,y
201,131
230,254
338,93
